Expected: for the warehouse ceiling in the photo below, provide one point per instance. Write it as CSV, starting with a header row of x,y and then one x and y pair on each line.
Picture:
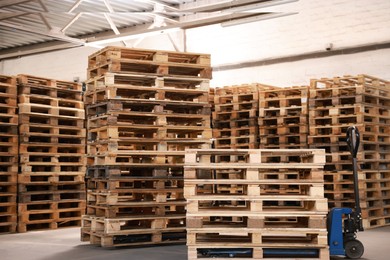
x,y
34,26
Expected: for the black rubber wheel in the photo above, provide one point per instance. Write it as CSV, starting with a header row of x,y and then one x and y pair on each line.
x,y
354,249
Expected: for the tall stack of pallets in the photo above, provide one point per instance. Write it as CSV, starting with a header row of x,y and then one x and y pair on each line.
x,y
235,119
250,204
363,101
283,117
8,154
51,188
144,108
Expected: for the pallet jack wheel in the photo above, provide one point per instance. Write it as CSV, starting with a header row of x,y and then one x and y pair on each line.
x,y
354,249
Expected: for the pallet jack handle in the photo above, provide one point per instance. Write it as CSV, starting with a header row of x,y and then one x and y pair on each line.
x,y
353,142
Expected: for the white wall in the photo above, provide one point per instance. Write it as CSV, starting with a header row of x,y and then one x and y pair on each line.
x,y
63,65
345,23
374,63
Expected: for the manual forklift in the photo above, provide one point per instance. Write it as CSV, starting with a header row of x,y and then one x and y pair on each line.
x,y
345,242
342,224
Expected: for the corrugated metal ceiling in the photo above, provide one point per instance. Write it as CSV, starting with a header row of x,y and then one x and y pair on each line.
x,y
28,24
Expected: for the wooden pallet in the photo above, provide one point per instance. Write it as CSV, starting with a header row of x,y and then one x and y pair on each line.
x,y
8,158
236,124
8,224
235,115
42,207
222,205
113,146
252,158
54,121
244,105
7,101
50,158
60,130
284,105
147,133
235,132
236,141
154,119
271,112
283,121
113,53
284,130
8,189
44,167
137,158
153,107
243,221
52,92
133,172
8,84
133,225
49,224
300,139
51,178
121,197
40,81
50,149
240,98
143,80
51,196
138,209
146,94
114,184
124,66
8,132
267,187
30,108
41,188
284,93
169,237
263,237
7,147
351,85
243,251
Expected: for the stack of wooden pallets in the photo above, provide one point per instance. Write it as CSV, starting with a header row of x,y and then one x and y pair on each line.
x,y
51,191
8,154
144,108
363,101
235,119
283,117
248,204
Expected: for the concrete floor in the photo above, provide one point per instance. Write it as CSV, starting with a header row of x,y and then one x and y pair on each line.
x,y
64,244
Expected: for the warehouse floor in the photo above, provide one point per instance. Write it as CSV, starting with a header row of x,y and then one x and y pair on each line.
x,y
64,244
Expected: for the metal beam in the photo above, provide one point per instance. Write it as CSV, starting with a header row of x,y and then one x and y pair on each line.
x,y
75,5
111,23
217,5
4,16
43,6
34,49
173,42
59,36
45,21
254,18
69,24
5,3
166,5
108,5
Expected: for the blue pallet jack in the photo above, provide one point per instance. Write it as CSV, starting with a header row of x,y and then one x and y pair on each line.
x,y
342,225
